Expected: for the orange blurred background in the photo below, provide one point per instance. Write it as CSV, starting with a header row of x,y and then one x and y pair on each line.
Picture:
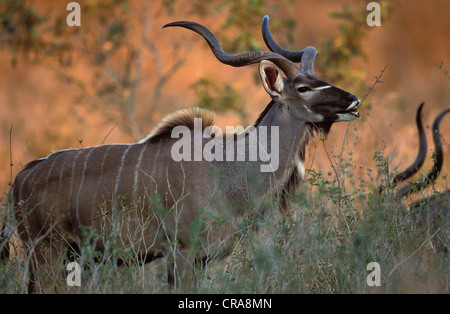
x,y
47,114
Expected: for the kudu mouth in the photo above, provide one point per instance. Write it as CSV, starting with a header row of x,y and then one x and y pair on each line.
x,y
344,108
351,112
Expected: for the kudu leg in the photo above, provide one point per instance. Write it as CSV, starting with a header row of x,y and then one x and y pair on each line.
x,y
182,269
46,266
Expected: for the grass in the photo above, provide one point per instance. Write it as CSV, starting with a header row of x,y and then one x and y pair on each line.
x,y
335,228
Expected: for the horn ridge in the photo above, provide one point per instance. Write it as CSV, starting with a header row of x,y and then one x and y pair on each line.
x,y
438,153
307,63
305,57
418,162
294,56
287,66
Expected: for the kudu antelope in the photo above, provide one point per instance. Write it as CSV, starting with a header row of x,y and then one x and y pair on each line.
x,y
433,212
56,198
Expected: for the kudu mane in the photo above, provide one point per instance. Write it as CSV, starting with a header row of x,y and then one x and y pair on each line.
x,y
183,117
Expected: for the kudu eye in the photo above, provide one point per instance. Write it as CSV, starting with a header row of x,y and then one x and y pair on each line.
x,y
303,89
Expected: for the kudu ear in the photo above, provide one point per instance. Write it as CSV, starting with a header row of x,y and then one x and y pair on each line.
x,y
271,78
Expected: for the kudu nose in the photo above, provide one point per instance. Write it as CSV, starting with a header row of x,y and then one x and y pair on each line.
x,y
351,98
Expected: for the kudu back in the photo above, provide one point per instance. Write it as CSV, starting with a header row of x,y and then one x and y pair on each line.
x,y
179,210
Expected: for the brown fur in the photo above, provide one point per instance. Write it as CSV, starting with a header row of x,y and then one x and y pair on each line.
x,y
294,180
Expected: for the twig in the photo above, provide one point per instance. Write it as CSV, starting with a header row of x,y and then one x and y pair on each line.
x,y
417,250
440,66
345,137
10,156
308,169
377,80
338,178
110,131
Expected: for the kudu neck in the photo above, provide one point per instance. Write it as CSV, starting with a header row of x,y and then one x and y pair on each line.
x,y
276,140
279,116
292,137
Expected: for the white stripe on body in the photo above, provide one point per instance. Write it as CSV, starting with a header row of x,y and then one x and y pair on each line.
x,y
81,185
119,173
